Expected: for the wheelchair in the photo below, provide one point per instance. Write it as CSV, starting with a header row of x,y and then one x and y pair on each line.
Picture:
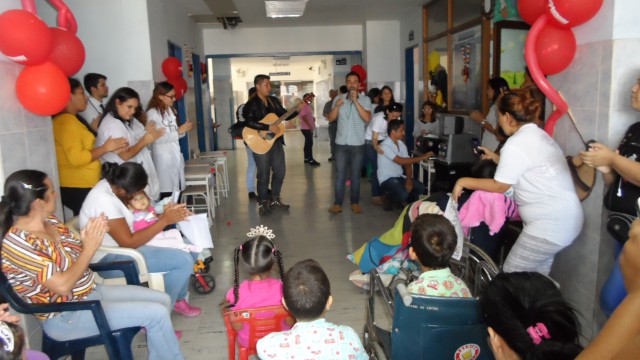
x,y
428,327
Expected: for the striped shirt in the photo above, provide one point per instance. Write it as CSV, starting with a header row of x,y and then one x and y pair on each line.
x,y
29,261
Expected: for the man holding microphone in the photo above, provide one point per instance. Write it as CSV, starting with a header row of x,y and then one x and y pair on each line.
x,y
353,110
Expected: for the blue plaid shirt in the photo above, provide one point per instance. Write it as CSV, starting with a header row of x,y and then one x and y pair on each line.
x,y
351,127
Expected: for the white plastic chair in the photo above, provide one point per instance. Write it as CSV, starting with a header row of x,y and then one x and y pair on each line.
x,y
154,280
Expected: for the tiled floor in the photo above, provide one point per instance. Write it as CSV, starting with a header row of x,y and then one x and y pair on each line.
x,y
306,231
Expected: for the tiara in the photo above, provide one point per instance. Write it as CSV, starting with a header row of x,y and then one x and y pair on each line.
x,y
261,231
6,335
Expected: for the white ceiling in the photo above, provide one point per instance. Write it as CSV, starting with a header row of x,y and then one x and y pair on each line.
x,y
318,12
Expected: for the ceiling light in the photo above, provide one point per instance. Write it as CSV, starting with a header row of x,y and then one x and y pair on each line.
x,y
279,9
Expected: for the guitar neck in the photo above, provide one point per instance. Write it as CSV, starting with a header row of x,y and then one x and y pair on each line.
x,y
284,116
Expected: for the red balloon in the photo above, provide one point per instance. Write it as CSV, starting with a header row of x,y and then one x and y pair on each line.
x,y
24,38
68,51
360,71
172,68
530,10
555,49
180,87
570,13
43,89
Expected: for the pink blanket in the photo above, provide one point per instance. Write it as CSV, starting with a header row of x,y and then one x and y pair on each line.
x,y
491,208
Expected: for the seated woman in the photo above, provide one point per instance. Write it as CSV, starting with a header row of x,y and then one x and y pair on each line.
x,y
528,318
45,263
110,197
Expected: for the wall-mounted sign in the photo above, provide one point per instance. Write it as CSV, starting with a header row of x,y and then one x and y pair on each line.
x,y
411,35
341,61
280,73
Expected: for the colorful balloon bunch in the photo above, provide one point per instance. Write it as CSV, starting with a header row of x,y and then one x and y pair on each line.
x,y
551,45
50,55
172,69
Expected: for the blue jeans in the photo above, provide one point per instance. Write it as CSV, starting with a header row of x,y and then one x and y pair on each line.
x,y
176,264
124,306
272,160
251,171
372,159
394,187
348,161
333,129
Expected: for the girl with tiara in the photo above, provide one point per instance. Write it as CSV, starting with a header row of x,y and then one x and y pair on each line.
x,y
258,255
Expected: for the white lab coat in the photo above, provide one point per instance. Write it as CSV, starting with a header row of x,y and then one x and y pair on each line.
x,y
166,152
112,127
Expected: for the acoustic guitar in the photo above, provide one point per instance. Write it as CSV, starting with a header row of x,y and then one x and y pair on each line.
x,y
260,141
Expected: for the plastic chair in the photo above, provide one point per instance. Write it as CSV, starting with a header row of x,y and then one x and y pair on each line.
x,y
116,342
154,280
261,322
439,328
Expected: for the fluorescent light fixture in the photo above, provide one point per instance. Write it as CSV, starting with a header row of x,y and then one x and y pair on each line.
x,y
279,9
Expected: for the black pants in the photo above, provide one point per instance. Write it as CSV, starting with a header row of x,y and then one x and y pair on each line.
x,y
271,161
308,144
333,131
73,198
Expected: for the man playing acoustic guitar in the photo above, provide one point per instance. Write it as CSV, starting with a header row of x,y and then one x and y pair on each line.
x,y
272,160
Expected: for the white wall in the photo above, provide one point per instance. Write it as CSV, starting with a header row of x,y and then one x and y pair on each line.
x,y
169,23
283,40
617,19
115,35
411,21
383,55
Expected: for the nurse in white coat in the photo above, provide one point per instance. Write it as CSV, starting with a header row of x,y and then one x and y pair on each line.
x,y
117,122
166,149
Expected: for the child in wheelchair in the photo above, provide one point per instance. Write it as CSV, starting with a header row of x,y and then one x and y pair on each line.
x,y
433,241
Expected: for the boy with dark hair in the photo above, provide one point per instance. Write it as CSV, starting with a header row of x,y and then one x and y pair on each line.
x,y
433,241
307,295
96,85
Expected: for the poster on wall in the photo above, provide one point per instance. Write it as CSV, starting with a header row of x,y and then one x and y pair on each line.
x,y
506,10
466,87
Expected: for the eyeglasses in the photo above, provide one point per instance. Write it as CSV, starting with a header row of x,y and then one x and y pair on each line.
x,y
172,97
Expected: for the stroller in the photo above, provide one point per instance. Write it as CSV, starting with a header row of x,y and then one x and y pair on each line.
x,y
427,327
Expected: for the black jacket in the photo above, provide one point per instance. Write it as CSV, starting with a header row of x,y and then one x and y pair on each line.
x,y
255,110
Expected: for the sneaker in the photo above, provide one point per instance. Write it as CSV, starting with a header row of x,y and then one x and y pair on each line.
x,y
252,195
312,162
263,207
278,204
308,161
335,209
183,307
378,200
331,159
356,208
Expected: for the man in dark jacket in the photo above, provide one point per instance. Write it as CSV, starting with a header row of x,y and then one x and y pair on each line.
x,y
273,160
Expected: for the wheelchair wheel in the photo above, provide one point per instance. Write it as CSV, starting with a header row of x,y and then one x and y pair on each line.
x,y
475,268
203,283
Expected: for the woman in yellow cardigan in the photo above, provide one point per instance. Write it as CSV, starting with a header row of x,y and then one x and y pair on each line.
x,y
78,161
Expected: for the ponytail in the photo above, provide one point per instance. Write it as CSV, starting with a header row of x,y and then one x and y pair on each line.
x,y
236,279
21,189
527,310
520,105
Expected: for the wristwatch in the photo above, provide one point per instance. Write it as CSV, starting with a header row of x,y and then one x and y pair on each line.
x,y
482,123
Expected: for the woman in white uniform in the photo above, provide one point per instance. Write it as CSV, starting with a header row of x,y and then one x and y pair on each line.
x,y
118,121
166,150
533,164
